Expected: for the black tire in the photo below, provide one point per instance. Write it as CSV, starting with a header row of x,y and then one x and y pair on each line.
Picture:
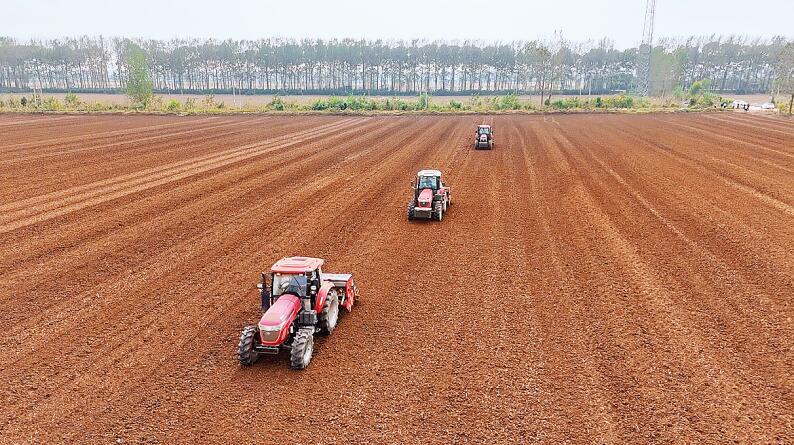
x,y
245,349
330,315
410,211
302,349
438,210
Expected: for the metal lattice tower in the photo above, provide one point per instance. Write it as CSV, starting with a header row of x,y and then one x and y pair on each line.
x,y
646,46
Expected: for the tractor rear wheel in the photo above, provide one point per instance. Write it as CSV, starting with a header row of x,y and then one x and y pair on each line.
x,y
438,210
330,314
245,349
302,349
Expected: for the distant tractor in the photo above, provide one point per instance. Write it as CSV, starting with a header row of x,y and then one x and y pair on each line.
x,y
431,197
483,137
301,301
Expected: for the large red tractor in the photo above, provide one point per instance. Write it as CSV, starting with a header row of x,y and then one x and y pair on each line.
x,y
301,301
431,197
483,137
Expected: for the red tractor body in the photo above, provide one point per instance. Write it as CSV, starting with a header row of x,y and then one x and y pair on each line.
x,y
300,302
483,137
431,197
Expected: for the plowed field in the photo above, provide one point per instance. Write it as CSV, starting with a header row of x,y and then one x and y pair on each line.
x,y
599,279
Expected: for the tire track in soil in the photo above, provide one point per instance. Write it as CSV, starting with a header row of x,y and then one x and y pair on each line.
x,y
558,302
714,135
764,193
279,367
308,188
34,210
729,388
56,152
112,240
741,127
29,180
82,126
101,135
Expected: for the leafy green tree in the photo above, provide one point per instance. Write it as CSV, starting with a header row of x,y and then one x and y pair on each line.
x,y
785,74
140,87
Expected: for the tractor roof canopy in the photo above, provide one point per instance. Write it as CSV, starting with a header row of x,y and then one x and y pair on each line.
x,y
296,264
429,173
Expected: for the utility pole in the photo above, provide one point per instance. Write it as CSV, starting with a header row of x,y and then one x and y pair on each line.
x,y
645,49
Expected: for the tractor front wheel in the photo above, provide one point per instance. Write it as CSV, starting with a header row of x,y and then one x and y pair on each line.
x,y
330,314
302,349
438,210
245,349
410,211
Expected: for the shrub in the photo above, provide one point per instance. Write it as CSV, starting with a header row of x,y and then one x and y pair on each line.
x,y
276,104
52,104
71,100
620,101
508,102
706,99
568,103
475,102
190,104
173,105
156,103
455,105
423,102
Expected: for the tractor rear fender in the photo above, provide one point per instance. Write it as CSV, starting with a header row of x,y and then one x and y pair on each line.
x,y
345,288
274,326
322,295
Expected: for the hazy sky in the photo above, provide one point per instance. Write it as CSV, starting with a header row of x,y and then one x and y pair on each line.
x,y
493,20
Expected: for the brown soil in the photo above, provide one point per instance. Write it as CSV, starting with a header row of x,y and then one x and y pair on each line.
x,y
599,279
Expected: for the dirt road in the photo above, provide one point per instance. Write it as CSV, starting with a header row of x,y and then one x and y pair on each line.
x,y
599,279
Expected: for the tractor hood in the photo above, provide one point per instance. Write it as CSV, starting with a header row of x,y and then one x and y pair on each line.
x,y
425,196
281,313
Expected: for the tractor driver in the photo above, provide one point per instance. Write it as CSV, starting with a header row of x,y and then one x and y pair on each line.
x,y
295,285
428,182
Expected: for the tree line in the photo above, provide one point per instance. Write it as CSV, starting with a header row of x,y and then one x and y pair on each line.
x,y
347,66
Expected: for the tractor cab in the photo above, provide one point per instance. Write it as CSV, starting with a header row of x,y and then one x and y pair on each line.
x,y
483,129
298,276
428,179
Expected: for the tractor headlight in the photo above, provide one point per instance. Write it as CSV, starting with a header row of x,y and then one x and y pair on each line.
x,y
274,328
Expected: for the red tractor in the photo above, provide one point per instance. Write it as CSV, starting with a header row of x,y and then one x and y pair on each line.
x,y
301,301
431,197
483,137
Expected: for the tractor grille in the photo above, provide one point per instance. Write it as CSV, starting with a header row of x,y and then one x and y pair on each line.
x,y
268,336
